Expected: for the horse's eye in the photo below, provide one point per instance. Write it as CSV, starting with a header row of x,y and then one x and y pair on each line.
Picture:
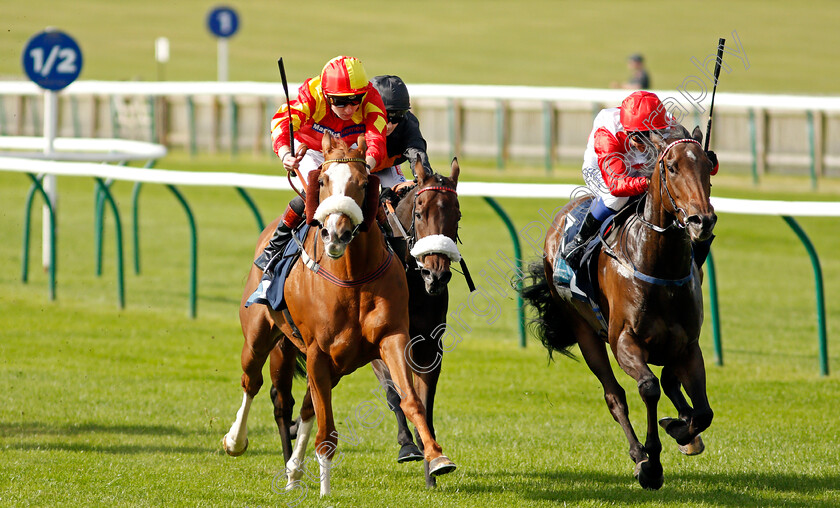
x,y
671,169
321,182
418,216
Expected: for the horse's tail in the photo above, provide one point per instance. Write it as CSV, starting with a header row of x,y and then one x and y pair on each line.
x,y
300,365
551,325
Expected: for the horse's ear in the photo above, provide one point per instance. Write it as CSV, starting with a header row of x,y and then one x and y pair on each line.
x,y
657,141
697,134
362,144
326,143
456,170
419,169
313,195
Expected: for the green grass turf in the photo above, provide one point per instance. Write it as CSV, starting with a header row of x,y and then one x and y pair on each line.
x,y
789,47
102,406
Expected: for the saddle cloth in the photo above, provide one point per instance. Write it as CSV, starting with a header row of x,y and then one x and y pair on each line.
x,y
270,290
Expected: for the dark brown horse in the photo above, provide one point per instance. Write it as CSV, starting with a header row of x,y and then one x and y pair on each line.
x,y
649,292
353,310
429,214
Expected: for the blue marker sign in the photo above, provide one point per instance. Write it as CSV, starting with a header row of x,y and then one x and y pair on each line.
x,y
223,22
52,59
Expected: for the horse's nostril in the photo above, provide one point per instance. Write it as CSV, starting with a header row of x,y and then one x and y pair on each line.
x,y
325,235
425,273
445,277
695,219
346,237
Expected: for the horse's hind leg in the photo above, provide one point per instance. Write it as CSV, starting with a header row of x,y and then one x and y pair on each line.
x,y
392,352
678,427
595,354
686,431
258,344
408,450
282,367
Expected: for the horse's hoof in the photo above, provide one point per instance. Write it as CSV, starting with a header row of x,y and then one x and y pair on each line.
x,y
409,453
650,478
695,447
230,450
441,466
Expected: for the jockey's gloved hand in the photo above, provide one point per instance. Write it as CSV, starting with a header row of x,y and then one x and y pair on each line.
x,y
712,157
388,194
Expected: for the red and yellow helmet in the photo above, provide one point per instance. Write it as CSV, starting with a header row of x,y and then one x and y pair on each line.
x,y
643,111
344,75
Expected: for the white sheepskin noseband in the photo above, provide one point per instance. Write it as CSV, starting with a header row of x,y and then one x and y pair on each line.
x,y
436,244
339,204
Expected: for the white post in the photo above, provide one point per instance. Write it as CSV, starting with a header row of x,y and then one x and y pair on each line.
x,y
222,63
49,182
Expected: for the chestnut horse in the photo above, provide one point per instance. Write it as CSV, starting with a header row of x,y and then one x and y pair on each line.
x,y
429,213
649,293
352,310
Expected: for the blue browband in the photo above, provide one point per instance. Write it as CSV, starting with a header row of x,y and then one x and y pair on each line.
x,y
663,282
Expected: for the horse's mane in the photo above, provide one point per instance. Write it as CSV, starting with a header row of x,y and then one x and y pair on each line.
x,y
672,133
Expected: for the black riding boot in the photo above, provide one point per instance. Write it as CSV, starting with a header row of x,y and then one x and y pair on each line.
x,y
276,245
573,251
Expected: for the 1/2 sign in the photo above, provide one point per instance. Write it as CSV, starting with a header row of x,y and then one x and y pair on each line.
x,y
223,22
52,59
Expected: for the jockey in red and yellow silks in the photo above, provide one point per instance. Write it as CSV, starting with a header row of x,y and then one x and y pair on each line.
x,y
340,102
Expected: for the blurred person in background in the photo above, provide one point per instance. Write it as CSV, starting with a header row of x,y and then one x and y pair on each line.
x,y
639,79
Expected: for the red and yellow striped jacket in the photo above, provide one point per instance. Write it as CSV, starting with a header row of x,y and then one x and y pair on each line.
x,y
312,117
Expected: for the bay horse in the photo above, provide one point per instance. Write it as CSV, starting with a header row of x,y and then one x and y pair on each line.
x,y
650,296
353,310
429,213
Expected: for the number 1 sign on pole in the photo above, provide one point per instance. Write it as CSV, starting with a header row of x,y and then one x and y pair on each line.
x,y
222,22
53,60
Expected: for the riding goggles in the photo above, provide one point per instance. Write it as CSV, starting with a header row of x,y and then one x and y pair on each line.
x,y
396,117
341,101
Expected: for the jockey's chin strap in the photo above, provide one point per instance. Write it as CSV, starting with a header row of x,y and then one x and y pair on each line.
x,y
412,232
679,222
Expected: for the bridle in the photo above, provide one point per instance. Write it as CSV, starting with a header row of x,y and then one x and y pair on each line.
x,y
663,184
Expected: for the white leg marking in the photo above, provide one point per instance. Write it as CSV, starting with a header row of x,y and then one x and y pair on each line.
x,y
294,468
325,464
237,436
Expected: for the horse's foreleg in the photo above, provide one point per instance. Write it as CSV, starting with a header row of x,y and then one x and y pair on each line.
x,y
631,359
425,384
392,350
692,375
320,386
255,350
408,450
282,366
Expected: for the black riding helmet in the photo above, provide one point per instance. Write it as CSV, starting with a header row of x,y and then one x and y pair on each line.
x,y
393,91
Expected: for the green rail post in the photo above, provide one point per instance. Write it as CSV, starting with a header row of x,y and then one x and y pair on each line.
x,y
193,249
517,253
2,115
104,188
452,110
74,111
115,118
135,217
713,306
234,127
548,133
501,134
150,101
135,224
812,147
253,206
753,145
818,284
36,185
191,125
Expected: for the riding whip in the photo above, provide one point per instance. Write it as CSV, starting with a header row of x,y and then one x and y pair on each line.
x,y
291,125
719,60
